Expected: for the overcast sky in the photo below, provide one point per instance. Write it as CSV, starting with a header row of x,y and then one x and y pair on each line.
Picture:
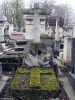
x,y
70,2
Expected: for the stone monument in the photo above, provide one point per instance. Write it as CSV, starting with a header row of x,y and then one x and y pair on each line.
x,y
57,36
36,21
67,48
73,51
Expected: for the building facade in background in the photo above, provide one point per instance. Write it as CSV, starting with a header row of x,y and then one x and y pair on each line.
x,y
29,23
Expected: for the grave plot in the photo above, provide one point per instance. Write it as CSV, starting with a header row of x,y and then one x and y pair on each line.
x,y
35,81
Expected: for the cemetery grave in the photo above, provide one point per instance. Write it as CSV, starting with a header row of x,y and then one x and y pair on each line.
x,y
35,80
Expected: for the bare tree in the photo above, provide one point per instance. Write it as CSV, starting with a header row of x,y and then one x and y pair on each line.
x,y
65,12
7,10
48,6
61,10
13,9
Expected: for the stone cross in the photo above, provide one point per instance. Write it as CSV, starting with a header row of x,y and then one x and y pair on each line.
x,y
36,21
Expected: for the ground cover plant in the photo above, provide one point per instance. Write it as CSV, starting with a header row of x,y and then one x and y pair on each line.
x,y
37,80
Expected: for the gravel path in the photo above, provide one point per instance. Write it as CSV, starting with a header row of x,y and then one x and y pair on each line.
x,y
67,86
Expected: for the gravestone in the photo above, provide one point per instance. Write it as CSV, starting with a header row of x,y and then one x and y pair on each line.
x,y
73,56
67,48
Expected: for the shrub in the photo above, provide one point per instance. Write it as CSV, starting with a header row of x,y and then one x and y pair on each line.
x,y
44,35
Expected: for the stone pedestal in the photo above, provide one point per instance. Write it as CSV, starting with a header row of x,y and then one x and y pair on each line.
x,y
67,48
